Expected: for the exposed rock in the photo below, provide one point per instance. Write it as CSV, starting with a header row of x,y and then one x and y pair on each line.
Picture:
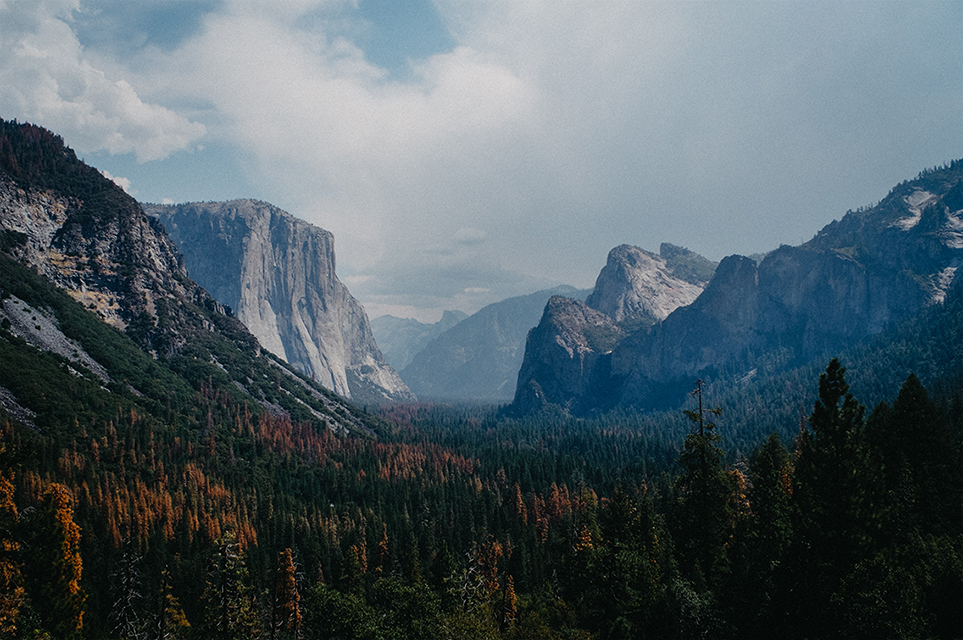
x,y
41,330
635,284
875,267
103,251
565,356
278,275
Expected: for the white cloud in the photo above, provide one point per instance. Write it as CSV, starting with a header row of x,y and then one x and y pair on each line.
x,y
123,183
47,79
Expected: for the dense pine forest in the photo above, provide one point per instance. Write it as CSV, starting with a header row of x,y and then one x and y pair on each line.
x,y
198,489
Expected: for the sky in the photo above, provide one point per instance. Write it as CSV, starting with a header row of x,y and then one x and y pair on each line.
x,y
465,151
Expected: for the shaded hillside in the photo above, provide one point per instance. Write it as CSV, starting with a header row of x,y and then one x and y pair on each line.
x,y
401,338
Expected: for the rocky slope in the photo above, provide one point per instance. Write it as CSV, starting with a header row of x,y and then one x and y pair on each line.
x,y
78,254
83,233
873,268
478,359
401,338
278,274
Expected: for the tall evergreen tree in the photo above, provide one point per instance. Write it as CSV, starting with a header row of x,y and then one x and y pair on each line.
x,y
835,501
286,616
228,597
703,515
762,537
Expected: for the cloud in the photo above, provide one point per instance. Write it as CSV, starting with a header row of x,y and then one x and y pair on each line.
x,y
545,135
47,79
123,183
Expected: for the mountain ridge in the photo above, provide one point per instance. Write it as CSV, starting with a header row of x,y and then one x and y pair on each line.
x,y
857,276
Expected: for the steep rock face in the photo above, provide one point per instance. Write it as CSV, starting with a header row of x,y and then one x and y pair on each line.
x,y
401,338
859,275
278,274
565,356
479,358
635,284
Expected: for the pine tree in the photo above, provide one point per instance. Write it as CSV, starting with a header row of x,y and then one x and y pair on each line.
x,y
761,540
703,515
11,581
286,613
168,621
835,502
126,584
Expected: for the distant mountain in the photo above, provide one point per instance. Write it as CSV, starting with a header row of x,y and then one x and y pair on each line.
x,y
401,338
478,359
873,268
278,275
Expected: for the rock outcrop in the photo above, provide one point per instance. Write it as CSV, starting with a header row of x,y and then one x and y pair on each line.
x,y
566,357
873,268
86,235
278,275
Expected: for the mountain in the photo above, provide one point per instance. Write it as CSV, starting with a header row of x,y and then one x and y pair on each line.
x,y
401,338
88,276
566,354
875,267
278,275
478,359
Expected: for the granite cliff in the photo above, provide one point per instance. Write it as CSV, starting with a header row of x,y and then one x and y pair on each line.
x,y
82,232
857,276
567,356
637,285
278,275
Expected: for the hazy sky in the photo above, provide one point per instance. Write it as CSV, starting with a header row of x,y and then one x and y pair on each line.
x,y
463,152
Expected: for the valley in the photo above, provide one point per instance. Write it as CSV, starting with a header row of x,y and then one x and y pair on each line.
x,y
201,438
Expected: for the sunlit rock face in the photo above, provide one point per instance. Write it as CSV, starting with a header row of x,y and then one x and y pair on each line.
x,y
278,275
637,284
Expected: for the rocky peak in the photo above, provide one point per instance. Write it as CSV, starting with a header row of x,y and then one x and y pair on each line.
x,y
561,352
873,268
278,274
638,285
